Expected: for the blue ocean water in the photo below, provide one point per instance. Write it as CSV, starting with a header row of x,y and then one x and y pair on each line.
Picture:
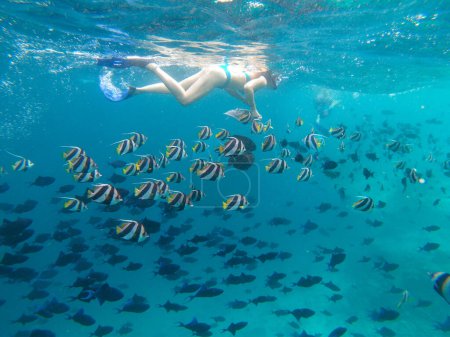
x,y
377,67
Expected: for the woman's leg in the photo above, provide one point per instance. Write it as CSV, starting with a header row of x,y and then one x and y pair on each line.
x,y
160,88
208,80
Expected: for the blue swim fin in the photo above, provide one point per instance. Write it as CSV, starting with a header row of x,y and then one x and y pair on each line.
x,y
121,62
116,94
114,62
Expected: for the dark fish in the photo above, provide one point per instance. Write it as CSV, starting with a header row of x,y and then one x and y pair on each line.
x,y
329,165
81,318
117,178
331,285
302,313
117,164
30,248
267,256
36,294
386,332
367,174
56,307
65,259
169,306
116,259
279,221
336,297
263,299
338,332
372,156
12,259
125,329
137,304
430,246
381,204
166,269
102,331
239,279
23,274
234,327
308,281
106,293
207,292
132,266
309,226
237,304
66,188
197,328
43,181
4,187
384,314
335,259
431,228
323,207
26,206
242,162
25,319
41,333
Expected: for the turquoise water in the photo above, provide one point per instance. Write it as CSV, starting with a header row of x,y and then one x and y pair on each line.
x,y
380,67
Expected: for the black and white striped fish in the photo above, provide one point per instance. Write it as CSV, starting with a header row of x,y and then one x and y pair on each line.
x,y
131,230
269,143
178,199
222,134
196,194
197,165
147,164
104,194
232,147
204,133
338,132
74,205
308,160
130,169
147,191
277,165
257,126
87,177
393,145
364,204
175,177
73,152
313,141
22,164
285,153
200,146
234,202
211,171
355,136
125,146
163,188
138,138
175,153
177,142
305,174
81,164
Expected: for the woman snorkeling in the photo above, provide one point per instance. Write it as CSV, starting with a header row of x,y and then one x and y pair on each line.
x,y
238,83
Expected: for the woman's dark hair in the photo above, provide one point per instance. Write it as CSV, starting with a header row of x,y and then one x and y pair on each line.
x,y
270,77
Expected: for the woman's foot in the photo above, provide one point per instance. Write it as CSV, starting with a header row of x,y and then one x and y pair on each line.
x,y
256,115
